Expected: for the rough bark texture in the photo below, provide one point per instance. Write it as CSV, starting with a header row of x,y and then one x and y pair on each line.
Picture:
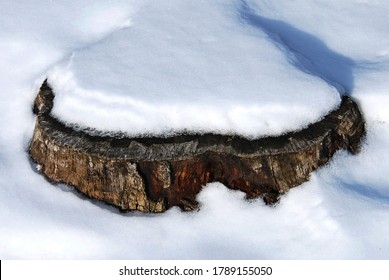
x,y
154,174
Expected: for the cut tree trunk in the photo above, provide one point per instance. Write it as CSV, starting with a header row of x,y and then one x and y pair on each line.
x,y
154,174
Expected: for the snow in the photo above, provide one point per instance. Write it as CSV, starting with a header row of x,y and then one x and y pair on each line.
x,y
189,66
341,212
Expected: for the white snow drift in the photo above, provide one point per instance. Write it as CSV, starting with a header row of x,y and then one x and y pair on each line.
x,y
189,66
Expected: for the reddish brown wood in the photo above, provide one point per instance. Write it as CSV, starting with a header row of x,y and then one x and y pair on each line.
x,y
154,174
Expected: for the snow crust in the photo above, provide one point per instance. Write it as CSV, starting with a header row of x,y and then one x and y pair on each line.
x,y
341,213
196,66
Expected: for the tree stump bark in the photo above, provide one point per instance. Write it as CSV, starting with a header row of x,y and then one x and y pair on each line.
x,y
154,174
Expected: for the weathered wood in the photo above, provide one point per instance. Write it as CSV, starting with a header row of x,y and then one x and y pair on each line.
x,y
154,174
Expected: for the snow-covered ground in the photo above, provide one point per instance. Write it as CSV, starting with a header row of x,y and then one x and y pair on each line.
x,y
342,212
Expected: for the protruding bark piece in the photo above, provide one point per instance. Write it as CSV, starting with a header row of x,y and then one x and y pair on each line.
x,y
154,174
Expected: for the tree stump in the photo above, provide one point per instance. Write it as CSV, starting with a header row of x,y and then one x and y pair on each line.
x,y
153,174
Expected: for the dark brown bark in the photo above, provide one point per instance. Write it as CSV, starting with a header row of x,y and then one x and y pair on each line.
x,y
154,174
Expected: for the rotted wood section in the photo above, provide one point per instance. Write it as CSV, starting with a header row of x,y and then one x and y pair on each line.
x,y
154,174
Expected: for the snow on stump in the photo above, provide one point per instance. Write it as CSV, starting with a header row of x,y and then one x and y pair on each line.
x,y
154,174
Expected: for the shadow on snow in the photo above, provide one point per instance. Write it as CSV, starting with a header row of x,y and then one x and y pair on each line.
x,y
305,51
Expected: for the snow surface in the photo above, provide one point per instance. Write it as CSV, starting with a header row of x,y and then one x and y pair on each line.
x,y
195,66
342,212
